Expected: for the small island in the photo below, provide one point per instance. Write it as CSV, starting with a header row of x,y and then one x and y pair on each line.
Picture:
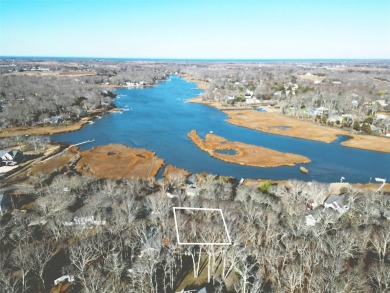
x,y
244,154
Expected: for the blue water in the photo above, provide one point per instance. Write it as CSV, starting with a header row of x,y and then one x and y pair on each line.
x,y
226,152
159,119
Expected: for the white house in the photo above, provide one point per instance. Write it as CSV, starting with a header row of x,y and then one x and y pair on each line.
x,y
10,157
321,111
66,278
338,203
252,101
318,111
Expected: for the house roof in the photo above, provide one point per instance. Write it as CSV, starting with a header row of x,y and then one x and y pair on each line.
x,y
339,199
3,152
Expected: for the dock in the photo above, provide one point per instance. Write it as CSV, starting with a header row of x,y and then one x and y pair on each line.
x,y
83,142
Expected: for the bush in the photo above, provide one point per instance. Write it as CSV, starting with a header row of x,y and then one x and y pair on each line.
x,y
265,186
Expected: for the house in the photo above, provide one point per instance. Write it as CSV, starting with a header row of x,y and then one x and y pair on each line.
x,y
248,94
382,103
192,191
338,203
56,120
321,111
53,120
11,157
85,222
374,129
66,278
252,101
335,119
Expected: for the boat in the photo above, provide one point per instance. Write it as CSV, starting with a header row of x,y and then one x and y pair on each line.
x,y
303,170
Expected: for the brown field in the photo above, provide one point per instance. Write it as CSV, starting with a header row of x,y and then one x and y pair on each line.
x,y
172,172
373,186
246,154
116,161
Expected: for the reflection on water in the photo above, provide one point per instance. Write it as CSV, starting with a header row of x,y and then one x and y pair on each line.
x,y
159,120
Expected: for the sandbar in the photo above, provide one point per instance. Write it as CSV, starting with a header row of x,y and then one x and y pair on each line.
x,y
245,154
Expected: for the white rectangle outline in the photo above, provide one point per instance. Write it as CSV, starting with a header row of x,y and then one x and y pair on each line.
x,y
200,243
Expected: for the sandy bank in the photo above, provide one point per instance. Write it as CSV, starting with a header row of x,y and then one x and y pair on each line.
x,y
278,124
51,128
245,154
274,122
40,130
116,161
203,85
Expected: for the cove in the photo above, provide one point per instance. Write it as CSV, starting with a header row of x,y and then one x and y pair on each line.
x,y
159,119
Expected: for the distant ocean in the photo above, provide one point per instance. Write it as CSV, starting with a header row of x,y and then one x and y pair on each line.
x,y
182,60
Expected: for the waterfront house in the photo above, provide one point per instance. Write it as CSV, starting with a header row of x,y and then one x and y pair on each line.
x,y
53,120
252,101
321,111
10,157
335,119
338,203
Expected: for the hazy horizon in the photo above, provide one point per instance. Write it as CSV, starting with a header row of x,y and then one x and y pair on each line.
x,y
213,29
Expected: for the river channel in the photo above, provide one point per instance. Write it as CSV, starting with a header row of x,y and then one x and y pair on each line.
x,y
159,119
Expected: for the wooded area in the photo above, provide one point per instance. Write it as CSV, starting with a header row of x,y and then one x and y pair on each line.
x,y
119,236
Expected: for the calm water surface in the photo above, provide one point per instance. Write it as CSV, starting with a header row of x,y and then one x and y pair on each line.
x,y
159,119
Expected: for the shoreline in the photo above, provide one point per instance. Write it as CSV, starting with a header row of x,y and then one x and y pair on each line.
x,y
273,122
52,129
245,154
49,130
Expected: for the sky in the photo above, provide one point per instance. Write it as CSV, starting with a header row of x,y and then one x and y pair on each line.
x,y
196,29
